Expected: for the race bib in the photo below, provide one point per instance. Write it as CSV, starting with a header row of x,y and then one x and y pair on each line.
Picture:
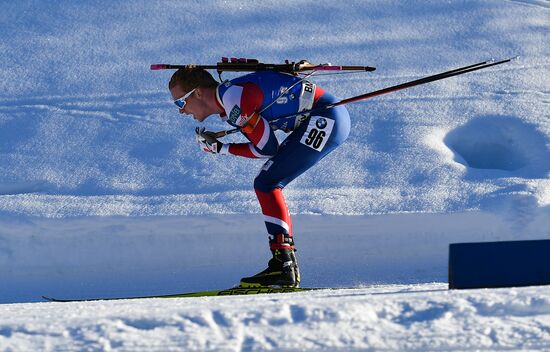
x,y
318,132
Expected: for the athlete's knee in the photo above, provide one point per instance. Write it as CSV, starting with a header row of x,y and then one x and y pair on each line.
x,y
261,183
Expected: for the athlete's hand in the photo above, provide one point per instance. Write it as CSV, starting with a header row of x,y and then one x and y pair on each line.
x,y
208,142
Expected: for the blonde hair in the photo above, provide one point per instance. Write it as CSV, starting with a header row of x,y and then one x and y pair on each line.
x,y
191,77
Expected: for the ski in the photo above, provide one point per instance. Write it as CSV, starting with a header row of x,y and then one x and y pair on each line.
x,y
235,291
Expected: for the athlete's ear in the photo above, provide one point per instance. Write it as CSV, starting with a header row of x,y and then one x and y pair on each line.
x,y
199,92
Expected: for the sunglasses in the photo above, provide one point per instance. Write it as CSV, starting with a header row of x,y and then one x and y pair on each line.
x,y
182,101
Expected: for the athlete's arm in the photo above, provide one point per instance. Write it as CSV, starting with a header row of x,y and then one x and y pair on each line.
x,y
263,143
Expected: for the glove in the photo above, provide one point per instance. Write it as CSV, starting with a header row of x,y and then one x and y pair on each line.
x,y
208,142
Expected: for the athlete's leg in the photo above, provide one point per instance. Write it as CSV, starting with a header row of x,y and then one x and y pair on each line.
x,y
315,139
305,147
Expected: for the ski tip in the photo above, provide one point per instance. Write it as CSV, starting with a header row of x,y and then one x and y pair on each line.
x,y
51,299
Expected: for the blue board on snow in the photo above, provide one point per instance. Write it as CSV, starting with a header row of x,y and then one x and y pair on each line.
x,y
499,264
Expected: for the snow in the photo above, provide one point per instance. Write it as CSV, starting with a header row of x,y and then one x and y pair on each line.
x,y
394,317
104,193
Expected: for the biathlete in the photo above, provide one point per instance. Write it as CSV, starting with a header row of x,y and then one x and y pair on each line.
x,y
253,103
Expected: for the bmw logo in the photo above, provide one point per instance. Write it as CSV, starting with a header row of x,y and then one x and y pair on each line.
x,y
321,123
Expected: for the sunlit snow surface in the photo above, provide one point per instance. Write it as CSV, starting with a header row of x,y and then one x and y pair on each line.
x,y
103,191
396,317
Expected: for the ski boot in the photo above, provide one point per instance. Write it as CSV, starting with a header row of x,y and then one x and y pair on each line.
x,y
282,270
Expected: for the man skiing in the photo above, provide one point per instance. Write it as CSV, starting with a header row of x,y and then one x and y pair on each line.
x,y
253,103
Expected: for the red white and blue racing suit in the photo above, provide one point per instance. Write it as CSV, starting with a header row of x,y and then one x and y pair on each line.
x,y
244,101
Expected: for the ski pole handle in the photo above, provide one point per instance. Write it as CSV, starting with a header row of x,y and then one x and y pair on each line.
x,y
221,134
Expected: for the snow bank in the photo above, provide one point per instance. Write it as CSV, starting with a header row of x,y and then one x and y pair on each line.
x,y
396,317
104,256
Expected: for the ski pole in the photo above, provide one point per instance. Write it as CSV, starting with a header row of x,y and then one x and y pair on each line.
x,y
428,79
424,80
432,78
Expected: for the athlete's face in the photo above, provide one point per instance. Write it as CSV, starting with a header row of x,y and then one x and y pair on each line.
x,y
194,104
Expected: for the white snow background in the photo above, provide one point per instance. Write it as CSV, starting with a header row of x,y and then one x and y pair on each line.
x,y
104,193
